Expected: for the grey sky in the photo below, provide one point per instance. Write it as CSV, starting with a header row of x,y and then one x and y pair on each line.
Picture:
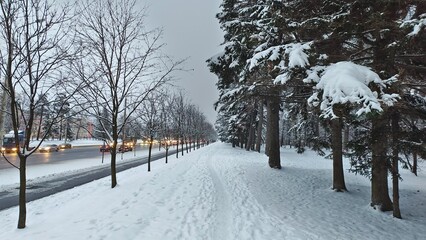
x,y
191,30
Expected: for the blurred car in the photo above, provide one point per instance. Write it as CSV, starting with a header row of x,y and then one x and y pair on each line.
x,y
105,148
65,146
125,148
48,148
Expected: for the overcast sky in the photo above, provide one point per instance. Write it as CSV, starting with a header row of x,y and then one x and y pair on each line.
x,y
191,30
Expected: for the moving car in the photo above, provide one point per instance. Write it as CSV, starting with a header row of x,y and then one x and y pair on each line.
x,y
125,148
48,148
105,148
65,146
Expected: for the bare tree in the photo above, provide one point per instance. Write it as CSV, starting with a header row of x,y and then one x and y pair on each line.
x,y
165,131
119,60
178,107
150,116
35,45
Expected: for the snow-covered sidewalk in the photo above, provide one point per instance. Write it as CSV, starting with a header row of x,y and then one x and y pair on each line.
x,y
219,192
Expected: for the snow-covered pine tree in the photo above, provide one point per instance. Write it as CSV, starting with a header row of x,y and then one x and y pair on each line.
x,y
234,95
371,34
391,50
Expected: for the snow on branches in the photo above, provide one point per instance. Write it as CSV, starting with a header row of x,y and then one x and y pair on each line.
x,y
417,24
347,82
287,56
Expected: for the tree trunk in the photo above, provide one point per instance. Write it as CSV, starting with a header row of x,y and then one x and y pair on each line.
x,y
253,138
22,192
268,128
395,162
181,146
242,139
336,146
2,114
113,166
167,152
60,129
114,154
414,169
274,132
149,152
251,131
259,127
379,166
177,148
282,139
40,122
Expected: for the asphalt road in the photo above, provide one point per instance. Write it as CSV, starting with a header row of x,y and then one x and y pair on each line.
x,y
9,197
52,157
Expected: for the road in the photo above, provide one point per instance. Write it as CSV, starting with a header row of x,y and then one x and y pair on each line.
x,y
9,197
52,157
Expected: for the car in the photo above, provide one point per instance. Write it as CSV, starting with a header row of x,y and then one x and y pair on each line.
x,y
105,148
125,148
48,148
65,146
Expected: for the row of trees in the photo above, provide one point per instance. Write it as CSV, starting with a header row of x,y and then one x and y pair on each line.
x,y
172,120
357,66
99,60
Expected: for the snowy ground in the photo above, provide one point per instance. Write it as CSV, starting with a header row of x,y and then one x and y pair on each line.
x,y
222,193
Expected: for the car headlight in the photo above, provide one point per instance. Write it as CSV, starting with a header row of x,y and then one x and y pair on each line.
x,y
3,149
14,149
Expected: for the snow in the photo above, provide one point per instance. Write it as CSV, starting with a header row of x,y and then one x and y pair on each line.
x,y
295,51
271,54
219,192
232,92
416,24
296,54
418,27
347,82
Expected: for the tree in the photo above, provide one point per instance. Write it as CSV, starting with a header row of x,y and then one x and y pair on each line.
x,y
375,34
120,60
165,133
34,37
61,108
150,116
371,52
386,42
40,112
